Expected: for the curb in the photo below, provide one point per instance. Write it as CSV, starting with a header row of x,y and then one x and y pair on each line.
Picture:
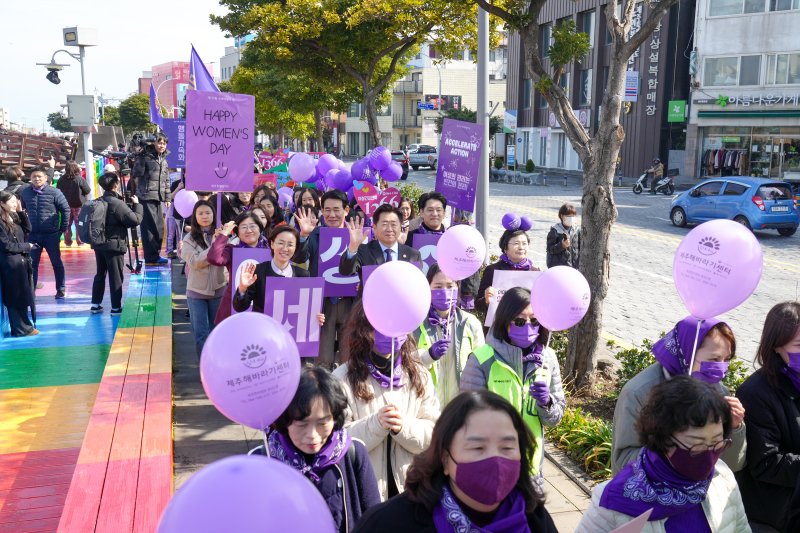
x,y
569,468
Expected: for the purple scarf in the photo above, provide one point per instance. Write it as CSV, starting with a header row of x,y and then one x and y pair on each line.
x,y
425,230
384,380
650,481
793,376
510,517
674,350
282,449
435,319
38,191
262,243
525,264
535,355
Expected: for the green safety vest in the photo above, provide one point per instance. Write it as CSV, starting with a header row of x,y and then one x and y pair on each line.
x,y
464,350
504,381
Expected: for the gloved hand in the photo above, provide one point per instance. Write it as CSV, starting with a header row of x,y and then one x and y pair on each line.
x,y
467,302
540,391
439,348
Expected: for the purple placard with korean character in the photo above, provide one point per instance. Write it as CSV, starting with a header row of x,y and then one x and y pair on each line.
x,y
332,244
241,257
295,303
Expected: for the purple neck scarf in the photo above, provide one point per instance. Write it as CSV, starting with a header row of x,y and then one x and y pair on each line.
x,y
38,191
448,517
674,350
425,230
535,355
650,481
262,243
793,376
525,264
282,449
435,319
384,380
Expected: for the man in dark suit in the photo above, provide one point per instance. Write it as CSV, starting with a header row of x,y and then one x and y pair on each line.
x,y
386,225
431,206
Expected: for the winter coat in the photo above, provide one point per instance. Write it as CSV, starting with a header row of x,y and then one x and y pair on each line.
x,y
486,281
361,420
773,446
152,176
201,276
48,211
256,292
119,218
74,189
723,509
16,187
556,253
401,515
221,254
625,444
15,264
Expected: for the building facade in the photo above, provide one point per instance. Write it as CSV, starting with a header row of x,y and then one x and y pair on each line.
x,y
661,77
5,118
171,80
745,106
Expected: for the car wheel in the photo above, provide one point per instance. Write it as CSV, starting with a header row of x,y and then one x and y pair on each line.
x,y
415,167
787,232
678,217
637,189
433,165
743,221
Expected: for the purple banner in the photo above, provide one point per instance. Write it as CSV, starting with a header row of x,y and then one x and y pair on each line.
x,y
295,303
219,141
426,244
459,162
332,244
175,130
240,258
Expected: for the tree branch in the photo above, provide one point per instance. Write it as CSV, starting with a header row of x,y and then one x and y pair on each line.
x,y
494,10
657,12
386,51
383,80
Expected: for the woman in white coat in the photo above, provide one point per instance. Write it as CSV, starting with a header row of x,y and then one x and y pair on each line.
x,y
684,427
391,409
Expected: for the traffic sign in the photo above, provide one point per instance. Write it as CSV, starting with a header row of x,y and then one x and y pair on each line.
x,y
424,105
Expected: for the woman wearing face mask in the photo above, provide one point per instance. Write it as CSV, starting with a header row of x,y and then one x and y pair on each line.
x,y
472,478
248,231
683,428
447,337
771,397
515,364
205,283
514,244
310,437
394,424
716,346
564,239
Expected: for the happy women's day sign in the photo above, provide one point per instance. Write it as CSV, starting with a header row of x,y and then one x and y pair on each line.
x,y
219,141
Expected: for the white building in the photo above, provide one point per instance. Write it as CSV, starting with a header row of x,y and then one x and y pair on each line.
x,y
745,106
5,118
233,54
417,97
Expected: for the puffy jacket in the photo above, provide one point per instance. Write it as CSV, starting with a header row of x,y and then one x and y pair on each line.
x,y
48,211
723,509
74,189
557,255
119,217
152,176
361,420
201,276
16,187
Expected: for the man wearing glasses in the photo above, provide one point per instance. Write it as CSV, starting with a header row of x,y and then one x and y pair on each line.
x,y
431,207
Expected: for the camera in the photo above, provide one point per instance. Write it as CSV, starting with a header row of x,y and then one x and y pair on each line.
x,y
52,74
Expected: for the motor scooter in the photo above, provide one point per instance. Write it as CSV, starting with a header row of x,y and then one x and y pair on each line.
x,y
664,185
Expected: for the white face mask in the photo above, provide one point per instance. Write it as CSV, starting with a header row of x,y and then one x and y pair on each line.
x,y
569,221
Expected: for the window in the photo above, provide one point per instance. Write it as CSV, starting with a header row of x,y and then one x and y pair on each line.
x,y
545,40
541,101
775,191
542,150
783,68
750,70
586,87
432,52
563,82
527,86
354,110
468,55
605,80
720,8
587,25
385,112
735,189
783,5
738,70
709,189
492,55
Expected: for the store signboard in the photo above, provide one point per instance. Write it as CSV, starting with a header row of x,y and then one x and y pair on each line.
x,y
752,99
677,111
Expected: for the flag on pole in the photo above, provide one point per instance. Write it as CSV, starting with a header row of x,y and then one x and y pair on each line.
x,y
199,78
155,113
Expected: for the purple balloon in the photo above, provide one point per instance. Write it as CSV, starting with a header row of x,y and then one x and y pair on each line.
x,y
560,297
369,176
341,164
330,178
184,202
358,168
525,223
246,494
717,266
351,194
461,251
511,221
326,163
405,286
342,180
301,167
380,158
285,197
239,347
393,172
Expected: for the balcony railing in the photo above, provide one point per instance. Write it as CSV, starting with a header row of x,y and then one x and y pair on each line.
x,y
413,121
413,86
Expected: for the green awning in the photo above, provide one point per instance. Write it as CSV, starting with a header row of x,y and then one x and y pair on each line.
x,y
771,113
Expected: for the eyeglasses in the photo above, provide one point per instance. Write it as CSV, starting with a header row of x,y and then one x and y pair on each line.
x,y
697,449
520,322
248,227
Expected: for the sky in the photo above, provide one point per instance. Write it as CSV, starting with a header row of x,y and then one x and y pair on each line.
x,y
132,37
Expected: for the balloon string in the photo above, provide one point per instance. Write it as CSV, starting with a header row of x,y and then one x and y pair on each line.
x,y
391,372
694,349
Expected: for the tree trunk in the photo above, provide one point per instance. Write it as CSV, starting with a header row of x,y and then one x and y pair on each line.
x,y
371,109
281,139
318,124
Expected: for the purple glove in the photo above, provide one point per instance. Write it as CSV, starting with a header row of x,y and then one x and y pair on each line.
x,y
439,348
467,302
540,391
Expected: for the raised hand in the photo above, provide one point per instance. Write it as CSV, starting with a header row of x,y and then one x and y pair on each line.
x,y
489,294
356,230
248,277
227,228
304,221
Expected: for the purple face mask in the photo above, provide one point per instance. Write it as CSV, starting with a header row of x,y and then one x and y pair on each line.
x,y
794,361
443,299
523,336
487,481
383,344
695,467
711,372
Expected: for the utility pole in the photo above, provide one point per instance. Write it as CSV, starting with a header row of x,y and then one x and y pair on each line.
x,y
482,200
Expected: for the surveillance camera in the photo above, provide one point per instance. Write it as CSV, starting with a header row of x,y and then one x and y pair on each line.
x,y
52,76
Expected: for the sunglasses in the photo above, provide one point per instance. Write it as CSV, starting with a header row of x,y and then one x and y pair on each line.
x,y
520,322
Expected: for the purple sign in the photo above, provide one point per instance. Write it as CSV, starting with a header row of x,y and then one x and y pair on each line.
x,y
332,244
295,303
426,244
175,130
459,162
239,259
219,141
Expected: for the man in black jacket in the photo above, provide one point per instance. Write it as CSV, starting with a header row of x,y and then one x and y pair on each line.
x,y
48,212
152,187
109,256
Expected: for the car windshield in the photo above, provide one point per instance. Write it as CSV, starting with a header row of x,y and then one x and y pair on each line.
x,y
775,191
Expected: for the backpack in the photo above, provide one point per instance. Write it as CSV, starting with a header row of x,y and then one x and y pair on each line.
x,y
92,222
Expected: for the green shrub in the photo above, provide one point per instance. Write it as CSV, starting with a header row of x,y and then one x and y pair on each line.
x,y
585,439
498,162
632,361
412,191
559,342
737,373
529,166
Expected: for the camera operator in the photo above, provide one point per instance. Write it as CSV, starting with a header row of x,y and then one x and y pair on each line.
x,y
151,174
109,256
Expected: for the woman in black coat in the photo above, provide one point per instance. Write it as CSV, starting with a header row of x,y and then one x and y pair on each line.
x,y
771,399
16,271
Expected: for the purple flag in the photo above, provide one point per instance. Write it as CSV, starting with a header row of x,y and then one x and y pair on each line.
x,y
426,244
155,114
332,244
459,162
199,78
240,258
219,141
175,130
295,303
